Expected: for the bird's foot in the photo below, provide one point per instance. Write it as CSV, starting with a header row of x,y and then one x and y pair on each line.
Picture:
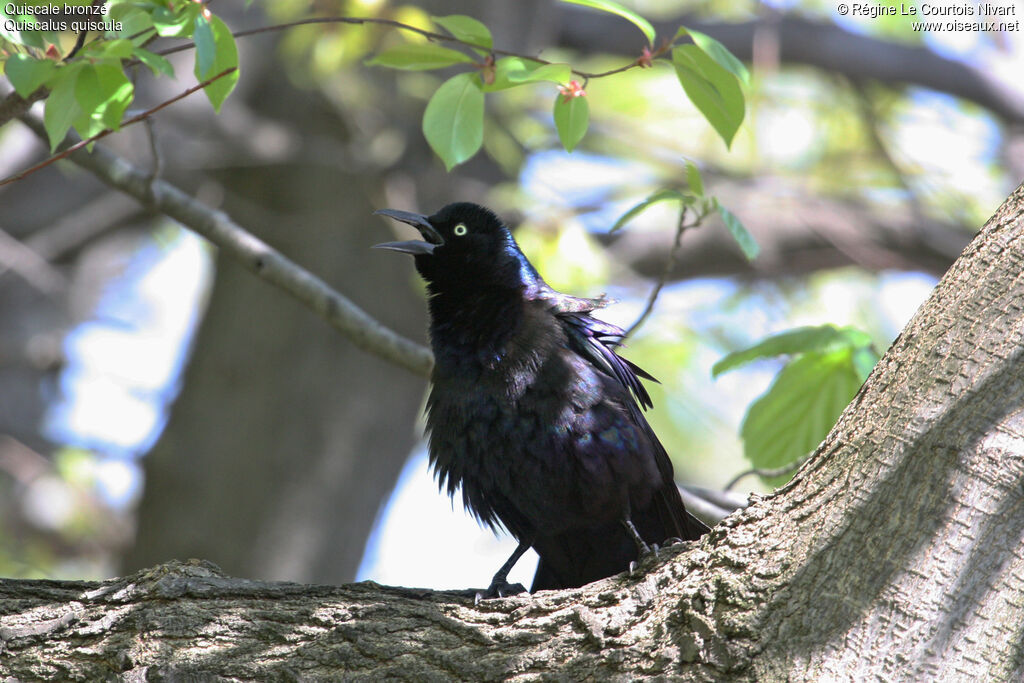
x,y
645,552
499,589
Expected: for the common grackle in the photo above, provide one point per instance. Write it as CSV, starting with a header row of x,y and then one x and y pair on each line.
x,y
533,413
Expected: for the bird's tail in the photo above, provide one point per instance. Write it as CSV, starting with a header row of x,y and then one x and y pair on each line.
x,y
581,556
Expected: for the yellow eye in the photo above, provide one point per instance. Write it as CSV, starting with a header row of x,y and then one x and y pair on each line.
x,y
460,230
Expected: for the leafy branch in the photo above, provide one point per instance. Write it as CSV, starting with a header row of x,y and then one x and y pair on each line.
x,y
144,116
695,203
89,91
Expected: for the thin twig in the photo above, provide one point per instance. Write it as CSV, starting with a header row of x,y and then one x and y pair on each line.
x,y
154,149
430,35
237,243
135,119
80,41
666,272
767,473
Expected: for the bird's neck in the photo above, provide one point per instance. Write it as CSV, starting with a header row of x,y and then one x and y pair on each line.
x,y
476,321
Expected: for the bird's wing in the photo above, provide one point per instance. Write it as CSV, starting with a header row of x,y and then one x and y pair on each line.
x,y
597,341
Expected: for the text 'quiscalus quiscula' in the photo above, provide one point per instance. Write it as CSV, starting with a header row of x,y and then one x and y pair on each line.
x,y
532,413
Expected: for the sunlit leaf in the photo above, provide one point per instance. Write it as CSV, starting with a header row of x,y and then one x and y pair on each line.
x,y
120,48
619,10
103,92
61,107
718,52
136,24
171,23
714,90
27,73
739,232
206,50
466,29
155,62
30,38
822,339
225,56
693,179
532,72
572,116
510,72
799,409
453,122
659,196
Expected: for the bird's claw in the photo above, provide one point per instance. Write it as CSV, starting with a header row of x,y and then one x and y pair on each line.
x,y
643,554
500,589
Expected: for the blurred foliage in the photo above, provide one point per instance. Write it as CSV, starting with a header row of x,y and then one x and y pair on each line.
x,y
55,522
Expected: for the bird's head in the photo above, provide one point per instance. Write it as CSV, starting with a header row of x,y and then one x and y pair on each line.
x,y
463,244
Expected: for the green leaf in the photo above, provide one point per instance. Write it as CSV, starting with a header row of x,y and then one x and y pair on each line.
x,y
205,47
534,72
61,107
103,92
617,9
799,340
740,233
171,23
419,57
136,24
714,90
659,196
718,52
87,126
467,29
28,38
693,179
572,116
453,122
156,63
225,56
799,408
510,72
121,48
27,73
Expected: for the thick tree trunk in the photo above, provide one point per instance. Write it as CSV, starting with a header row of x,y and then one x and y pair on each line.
x,y
895,553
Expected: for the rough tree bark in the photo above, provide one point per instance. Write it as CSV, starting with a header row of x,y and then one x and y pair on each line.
x,y
895,553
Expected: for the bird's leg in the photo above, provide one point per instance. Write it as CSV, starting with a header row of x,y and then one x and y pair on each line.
x,y
500,587
641,545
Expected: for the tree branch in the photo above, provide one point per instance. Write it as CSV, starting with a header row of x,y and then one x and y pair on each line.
x,y
361,329
14,105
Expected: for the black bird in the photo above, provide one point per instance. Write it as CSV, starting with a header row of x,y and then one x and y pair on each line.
x,y
532,413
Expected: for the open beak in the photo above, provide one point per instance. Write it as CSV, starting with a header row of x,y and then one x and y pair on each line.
x,y
415,247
